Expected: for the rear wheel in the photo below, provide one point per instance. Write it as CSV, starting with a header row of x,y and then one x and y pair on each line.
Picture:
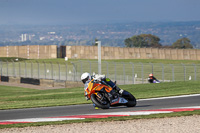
x,y
104,104
131,99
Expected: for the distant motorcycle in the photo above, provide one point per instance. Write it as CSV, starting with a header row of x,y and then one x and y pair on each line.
x,y
156,81
152,79
104,96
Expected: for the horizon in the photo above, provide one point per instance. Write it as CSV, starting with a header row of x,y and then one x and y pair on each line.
x,y
67,12
102,23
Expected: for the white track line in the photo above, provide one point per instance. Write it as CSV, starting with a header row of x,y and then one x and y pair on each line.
x,y
135,113
40,119
159,98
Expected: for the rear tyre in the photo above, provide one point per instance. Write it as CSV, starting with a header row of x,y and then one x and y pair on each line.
x,y
131,99
99,103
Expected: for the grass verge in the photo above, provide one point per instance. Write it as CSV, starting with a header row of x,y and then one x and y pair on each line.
x,y
16,97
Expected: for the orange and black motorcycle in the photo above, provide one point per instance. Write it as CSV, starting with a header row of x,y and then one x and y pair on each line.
x,y
103,96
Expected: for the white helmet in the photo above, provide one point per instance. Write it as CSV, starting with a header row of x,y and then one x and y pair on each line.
x,y
85,77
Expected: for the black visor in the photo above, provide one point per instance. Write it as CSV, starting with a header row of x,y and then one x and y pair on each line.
x,y
84,80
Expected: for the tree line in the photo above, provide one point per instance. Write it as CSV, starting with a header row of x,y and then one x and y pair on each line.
x,y
149,40
141,41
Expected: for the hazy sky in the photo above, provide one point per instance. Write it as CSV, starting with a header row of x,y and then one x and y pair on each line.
x,y
89,11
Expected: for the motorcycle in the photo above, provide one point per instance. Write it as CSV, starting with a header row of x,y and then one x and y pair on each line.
x,y
103,96
153,80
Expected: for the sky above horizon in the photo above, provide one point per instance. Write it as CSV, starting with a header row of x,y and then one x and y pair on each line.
x,y
94,11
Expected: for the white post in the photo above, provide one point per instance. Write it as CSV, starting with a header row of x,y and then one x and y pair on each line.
x,y
28,51
99,57
7,51
38,51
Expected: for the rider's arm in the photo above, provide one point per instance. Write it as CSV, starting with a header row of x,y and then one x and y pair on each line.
x,y
86,93
99,77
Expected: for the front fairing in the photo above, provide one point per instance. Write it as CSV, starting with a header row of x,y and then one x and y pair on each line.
x,y
94,87
119,100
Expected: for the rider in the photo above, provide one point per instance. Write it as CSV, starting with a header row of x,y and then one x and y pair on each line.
x,y
86,78
151,78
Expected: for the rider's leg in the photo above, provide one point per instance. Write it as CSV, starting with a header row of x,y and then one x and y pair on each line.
x,y
113,85
110,83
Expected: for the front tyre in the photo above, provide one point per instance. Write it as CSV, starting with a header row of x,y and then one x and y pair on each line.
x,y
131,99
99,103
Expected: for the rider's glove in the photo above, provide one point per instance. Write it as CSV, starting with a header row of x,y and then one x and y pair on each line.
x,y
99,77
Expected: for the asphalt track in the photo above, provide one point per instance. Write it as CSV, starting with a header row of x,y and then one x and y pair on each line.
x,y
143,104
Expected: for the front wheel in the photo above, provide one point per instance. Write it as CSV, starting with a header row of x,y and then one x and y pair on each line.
x,y
131,99
104,104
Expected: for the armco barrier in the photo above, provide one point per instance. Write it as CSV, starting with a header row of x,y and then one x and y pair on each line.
x,y
15,80
4,78
42,82
30,81
59,83
47,82
72,84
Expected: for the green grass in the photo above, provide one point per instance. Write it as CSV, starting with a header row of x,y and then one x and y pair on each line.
x,y
157,61
163,89
16,97
62,60
10,59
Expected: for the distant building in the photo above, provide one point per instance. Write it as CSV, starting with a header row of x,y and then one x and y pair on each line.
x,y
26,37
51,33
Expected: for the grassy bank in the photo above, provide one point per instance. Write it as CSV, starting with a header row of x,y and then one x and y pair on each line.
x,y
62,60
16,97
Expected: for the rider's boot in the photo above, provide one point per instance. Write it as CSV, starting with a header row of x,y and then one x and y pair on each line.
x,y
95,106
